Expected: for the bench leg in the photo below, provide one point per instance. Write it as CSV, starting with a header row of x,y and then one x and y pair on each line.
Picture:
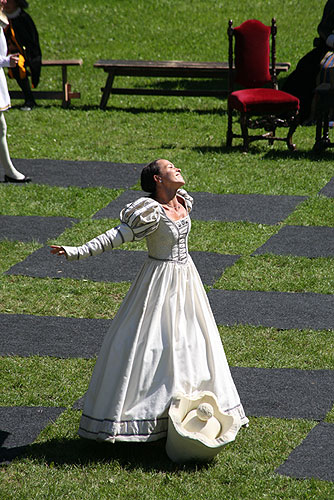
x,y
66,96
107,90
66,89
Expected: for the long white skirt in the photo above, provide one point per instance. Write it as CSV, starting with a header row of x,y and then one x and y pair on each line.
x,y
163,340
4,94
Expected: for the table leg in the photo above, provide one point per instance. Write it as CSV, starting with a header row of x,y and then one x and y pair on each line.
x,y
66,101
107,90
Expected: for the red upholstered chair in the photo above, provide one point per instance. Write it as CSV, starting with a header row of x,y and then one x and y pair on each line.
x,y
249,66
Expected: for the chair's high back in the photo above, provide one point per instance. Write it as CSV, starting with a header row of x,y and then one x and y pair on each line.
x,y
252,54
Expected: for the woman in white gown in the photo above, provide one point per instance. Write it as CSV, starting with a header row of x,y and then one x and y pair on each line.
x,y
164,339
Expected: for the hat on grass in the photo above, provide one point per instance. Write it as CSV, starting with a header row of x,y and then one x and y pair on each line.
x,y
198,428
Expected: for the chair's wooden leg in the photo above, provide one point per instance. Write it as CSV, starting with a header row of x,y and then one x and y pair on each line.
x,y
292,129
271,140
229,135
244,131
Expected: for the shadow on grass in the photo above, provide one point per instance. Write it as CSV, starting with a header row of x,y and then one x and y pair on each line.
x,y
174,111
146,456
299,154
57,105
272,154
224,149
175,83
129,109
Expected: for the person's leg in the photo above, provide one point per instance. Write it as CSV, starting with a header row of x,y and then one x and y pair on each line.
x,y
24,84
11,174
302,81
29,101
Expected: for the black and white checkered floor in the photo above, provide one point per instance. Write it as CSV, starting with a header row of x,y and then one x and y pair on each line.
x,y
278,393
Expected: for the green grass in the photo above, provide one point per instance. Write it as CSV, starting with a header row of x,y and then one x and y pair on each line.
x,y
330,417
191,133
12,252
72,298
316,211
284,274
38,381
229,237
50,201
272,348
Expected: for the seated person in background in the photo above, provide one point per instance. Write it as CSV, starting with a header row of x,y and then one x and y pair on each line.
x,y
22,37
303,80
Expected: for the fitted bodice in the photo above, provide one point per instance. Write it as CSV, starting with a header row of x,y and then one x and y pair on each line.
x,y
170,240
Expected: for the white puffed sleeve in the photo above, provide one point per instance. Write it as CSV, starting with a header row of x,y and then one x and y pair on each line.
x,y
187,198
138,219
142,216
112,238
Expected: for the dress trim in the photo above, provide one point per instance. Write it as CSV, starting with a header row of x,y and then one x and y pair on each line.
x,y
112,430
124,421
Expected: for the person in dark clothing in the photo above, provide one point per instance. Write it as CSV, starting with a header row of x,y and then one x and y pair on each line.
x,y
22,37
303,80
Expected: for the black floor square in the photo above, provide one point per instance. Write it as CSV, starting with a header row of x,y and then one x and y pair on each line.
x,y
285,393
20,426
274,309
27,335
314,457
115,266
33,228
328,190
302,241
258,208
80,173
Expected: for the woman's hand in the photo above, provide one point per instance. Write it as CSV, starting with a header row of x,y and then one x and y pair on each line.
x,y
57,250
13,60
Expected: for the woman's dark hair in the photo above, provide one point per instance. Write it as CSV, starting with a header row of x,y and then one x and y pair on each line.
x,y
147,177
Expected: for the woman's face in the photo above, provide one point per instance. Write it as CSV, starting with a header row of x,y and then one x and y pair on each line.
x,y
169,175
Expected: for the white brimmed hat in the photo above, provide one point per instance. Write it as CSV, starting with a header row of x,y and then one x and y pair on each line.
x,y
198,428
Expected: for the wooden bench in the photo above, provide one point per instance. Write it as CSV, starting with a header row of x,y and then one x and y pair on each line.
x,y
180,69
65,94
